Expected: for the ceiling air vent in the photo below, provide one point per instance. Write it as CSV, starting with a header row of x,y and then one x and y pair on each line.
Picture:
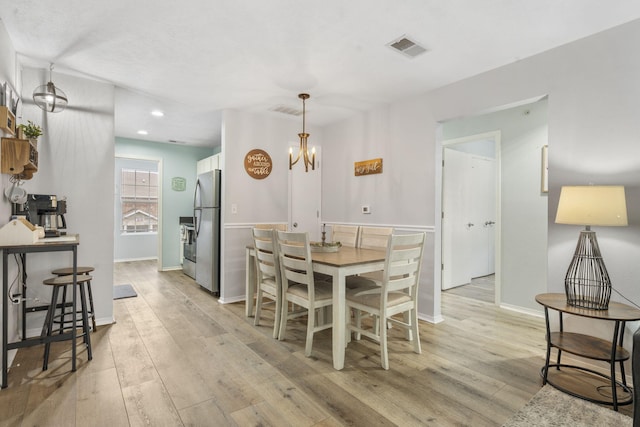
x,y
286,110
407,47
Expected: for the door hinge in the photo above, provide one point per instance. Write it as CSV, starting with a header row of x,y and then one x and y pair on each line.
x,y
442,267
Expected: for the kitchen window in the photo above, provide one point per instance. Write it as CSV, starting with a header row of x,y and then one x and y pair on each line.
x,y
139,200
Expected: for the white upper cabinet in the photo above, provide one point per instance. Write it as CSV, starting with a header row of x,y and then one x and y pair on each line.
x,y
208,164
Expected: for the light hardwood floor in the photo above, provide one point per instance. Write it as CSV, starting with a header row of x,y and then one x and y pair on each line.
x,y
176,357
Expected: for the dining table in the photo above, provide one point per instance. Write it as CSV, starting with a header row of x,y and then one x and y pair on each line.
x,y
347,261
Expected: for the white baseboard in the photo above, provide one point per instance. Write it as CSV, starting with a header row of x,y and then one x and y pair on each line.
x,y
231,300
136,259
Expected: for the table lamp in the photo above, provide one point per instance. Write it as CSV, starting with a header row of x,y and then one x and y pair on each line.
x,y
587,282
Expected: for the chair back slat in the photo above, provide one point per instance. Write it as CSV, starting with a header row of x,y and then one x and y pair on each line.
x,y
267,265
402,265
374,237
295,259
345,234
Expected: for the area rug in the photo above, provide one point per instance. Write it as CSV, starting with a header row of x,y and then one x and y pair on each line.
x,y
124,291
553,408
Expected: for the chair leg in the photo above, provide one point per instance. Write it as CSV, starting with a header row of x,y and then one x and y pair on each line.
x,y
85,322
384,356
49,327
63,309
93,312
284,314
414,329
310,327
357,316
256,319
276,318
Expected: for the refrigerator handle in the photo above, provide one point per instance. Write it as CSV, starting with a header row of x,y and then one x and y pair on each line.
x,y
196,224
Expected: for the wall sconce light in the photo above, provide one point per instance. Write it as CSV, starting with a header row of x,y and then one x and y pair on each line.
x,y
303,151
587,283
49,97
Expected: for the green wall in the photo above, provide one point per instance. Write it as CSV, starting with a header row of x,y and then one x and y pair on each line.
x,y
177,161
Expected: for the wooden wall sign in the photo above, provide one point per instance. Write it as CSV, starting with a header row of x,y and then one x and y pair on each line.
x,y
258,164
368,167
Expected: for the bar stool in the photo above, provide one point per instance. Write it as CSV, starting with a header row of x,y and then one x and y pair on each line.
x,y
68,271
51,318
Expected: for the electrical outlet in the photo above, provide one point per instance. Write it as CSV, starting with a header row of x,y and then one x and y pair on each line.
x,y
366,209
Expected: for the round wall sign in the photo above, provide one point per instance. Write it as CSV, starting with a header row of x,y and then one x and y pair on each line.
x,y
258,164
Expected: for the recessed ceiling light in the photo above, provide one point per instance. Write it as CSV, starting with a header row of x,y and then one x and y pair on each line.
x,y
157,113
143,132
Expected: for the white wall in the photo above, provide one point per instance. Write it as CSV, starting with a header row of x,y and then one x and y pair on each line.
x,y
402,195
257,201
593,110
76,160
523,270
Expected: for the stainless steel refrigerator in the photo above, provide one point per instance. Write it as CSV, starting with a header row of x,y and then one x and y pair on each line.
x,y
206,220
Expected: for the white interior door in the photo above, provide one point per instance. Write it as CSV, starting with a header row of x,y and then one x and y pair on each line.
x,y
483,216
305,198
456,228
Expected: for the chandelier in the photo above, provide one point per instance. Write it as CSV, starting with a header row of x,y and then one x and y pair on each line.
x,y
49,97
303,151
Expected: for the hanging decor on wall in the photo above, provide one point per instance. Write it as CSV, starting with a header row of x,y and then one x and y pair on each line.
x,y
368,167
304,150
258,164
178,183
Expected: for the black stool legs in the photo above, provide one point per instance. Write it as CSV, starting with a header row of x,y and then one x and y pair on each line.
x,y
63,282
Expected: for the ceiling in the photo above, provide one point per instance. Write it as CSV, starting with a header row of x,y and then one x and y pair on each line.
x,y
195,58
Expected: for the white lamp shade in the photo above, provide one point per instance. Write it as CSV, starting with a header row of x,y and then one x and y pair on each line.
x,y
603,205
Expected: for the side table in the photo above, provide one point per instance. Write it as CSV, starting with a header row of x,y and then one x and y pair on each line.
x,y
605,387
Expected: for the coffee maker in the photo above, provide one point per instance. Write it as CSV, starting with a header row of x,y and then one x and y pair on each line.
x,y
44,210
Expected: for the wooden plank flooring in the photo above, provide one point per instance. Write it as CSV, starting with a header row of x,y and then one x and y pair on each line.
x,y
176,357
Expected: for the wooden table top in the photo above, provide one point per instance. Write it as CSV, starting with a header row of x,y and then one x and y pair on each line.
x,y
616,310
68,239
347,255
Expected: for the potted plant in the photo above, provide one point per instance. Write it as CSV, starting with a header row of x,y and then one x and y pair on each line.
x,y
31,131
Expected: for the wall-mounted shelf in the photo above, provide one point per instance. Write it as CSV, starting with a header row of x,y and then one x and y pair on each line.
x,y
7,120
18,157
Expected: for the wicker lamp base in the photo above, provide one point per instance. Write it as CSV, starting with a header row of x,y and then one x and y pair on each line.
x,y
587,282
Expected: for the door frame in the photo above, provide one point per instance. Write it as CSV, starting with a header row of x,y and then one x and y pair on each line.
x,y
160,215
440,146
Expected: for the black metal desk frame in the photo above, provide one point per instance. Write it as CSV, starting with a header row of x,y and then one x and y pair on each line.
x,y
52,246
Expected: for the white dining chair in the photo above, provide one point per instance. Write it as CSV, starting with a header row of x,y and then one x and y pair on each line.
x,y
397,293
374,237
268,278
370,238
300,287
279,226
347,235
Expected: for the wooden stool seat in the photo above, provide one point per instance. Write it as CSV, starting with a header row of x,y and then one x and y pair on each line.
x,y
67,280
67,271
80,271
83,322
